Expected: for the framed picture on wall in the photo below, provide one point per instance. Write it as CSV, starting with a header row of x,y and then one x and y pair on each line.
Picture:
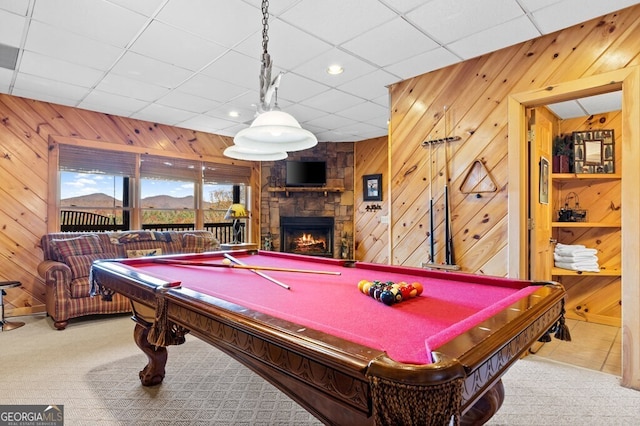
x,y
544,181
372,187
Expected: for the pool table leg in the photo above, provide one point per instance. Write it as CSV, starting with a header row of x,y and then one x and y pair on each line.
x,y
153,373
485,407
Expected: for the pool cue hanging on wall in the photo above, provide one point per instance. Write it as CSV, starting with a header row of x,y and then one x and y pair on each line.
x,y
449,255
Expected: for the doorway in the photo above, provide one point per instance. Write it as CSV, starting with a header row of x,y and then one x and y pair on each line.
x,y
627,80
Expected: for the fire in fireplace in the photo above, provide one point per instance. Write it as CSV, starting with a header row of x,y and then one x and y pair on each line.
x,y
307,235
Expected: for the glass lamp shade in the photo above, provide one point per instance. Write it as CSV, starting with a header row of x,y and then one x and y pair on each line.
x,y
249,154
275,131
236,211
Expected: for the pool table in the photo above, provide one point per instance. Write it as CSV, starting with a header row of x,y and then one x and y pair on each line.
x,y
344,356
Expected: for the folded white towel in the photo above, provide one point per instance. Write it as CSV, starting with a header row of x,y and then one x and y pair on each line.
x,y
579,266
569,246
575,252
577,258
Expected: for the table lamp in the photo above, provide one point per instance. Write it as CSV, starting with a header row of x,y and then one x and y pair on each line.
x,y
236,212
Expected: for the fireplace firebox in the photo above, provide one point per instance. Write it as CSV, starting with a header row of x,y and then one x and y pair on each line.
x,y
307,235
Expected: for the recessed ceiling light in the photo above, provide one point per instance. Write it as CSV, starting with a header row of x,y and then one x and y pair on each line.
x,y
234,114
335,69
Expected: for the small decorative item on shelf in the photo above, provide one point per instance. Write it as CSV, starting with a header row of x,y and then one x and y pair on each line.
x,y
572,214
268,241
562,154
594,151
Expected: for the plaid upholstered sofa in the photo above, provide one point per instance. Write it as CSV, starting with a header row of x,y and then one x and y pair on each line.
x,y
68,257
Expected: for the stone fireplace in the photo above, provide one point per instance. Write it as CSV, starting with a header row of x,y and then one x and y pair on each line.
x,y
311,236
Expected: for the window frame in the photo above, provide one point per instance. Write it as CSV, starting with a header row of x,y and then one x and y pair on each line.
x,y
230,171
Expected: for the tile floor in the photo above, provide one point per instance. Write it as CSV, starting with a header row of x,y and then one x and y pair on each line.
x,y
593,346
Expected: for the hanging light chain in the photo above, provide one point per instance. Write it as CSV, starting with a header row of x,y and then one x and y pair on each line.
x,y
265,26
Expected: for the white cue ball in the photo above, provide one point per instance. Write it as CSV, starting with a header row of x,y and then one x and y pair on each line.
x,y
226,262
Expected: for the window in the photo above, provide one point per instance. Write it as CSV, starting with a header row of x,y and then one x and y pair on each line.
x,y
172,193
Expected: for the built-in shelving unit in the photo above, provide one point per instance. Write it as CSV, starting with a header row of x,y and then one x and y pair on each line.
x,y
289,189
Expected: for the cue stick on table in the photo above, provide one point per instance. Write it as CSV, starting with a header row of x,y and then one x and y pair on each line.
x,y
263,275
240,266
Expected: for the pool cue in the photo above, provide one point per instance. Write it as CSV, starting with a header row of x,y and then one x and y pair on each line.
x,y
235,266
448,235
432,245
263,275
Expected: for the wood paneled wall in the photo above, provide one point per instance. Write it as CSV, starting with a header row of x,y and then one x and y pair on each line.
x,y
372,226
469,100
26,128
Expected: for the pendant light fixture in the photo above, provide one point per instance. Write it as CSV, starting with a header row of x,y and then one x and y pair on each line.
x,y
273,132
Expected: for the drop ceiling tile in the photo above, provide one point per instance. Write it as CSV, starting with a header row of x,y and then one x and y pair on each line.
x,y
378,47
295,88
145,7
288,46
221,21
333,100
245,115
162,114
316,68
533,5
210,88
209,124
568,109
571,12
495,38
173,46
52,68
19,7
95,19
60,99
123,86
403,6
138,67
330,121
365,111
187,102
11,28
5,80
275,8
65,46
602,103
423,63
457,19
337,21
112,104
303,113
372,85
236,68
46,87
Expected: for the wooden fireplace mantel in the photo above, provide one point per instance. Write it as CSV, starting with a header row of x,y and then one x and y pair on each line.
x,y
289,189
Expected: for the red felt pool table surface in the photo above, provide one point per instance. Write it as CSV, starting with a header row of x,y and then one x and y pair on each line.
x,y
341,354
450,304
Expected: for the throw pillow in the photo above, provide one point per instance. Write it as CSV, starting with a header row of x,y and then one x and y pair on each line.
x,y
144,252
84,244
81,265
198,244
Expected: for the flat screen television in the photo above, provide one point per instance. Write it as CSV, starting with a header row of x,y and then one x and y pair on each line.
x,y
306,173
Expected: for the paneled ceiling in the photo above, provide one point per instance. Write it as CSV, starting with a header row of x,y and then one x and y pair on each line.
x,y
190,63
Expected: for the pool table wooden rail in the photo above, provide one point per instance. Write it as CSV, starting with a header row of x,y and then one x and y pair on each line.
x,y
331,377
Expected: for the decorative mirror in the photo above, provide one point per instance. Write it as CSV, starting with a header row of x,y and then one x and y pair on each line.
x,y
593,151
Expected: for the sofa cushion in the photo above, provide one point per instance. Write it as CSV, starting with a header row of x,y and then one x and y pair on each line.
x,y
192,243
84,244
81,265
144,252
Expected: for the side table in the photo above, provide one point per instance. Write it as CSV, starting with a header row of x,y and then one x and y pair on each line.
x,y
6,325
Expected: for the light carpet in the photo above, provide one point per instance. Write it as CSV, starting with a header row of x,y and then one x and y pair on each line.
x,y
92,369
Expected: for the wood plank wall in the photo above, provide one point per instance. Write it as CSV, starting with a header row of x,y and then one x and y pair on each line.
x,y
26,129
371,242
469,100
